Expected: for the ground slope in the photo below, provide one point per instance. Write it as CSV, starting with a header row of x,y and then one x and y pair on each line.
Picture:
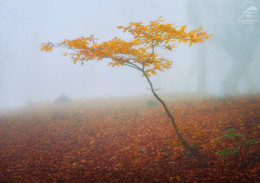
x,y
124,140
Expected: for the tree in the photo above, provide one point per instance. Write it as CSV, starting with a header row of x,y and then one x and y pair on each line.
x,y
241,43
239,40
140,52
193,9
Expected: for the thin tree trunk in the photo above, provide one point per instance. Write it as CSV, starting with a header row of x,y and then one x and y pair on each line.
x,y
202,69
194,153
241,64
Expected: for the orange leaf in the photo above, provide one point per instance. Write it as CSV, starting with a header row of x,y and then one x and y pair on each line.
x,y
153,72
183,28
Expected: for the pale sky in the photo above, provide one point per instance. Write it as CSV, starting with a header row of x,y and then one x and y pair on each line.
x,y
27,74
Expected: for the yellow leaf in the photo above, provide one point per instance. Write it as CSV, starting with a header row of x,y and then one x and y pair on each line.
x,y
211,34
169,47
183,28
100,58
200,40
114,64
75,60
149,75
156,66
203,34
168,25
153,72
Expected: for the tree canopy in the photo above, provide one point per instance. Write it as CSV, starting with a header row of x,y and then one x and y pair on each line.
x,y
140,52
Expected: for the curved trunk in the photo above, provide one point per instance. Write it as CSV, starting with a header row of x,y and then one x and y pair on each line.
x,y
241,63
194,153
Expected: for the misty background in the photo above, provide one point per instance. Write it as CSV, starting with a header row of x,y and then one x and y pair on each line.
x,y
228,63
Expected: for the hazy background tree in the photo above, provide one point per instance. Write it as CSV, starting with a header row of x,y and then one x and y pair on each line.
x,y
200,54
240,41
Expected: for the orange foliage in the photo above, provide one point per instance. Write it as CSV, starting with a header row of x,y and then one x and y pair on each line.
x,y
140,52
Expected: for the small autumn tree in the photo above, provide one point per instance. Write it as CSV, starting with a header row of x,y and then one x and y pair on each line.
x,y
140,52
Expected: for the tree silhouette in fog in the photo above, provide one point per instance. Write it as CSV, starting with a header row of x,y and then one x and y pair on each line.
x,y
238,38
140,53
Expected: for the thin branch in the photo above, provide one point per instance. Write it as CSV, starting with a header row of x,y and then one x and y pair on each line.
x,y
153,46
133,65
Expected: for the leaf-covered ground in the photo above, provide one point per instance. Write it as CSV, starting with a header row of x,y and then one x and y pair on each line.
x,y
124,140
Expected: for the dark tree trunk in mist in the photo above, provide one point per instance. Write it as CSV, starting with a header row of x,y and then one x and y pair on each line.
x,y
6,34
237,39
201,56
240,41
252,87
241,63
202,69
242,55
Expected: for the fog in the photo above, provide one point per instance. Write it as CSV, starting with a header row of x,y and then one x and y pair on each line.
x,y
228,63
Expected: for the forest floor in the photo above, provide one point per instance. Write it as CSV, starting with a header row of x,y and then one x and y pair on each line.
x,y
125,140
